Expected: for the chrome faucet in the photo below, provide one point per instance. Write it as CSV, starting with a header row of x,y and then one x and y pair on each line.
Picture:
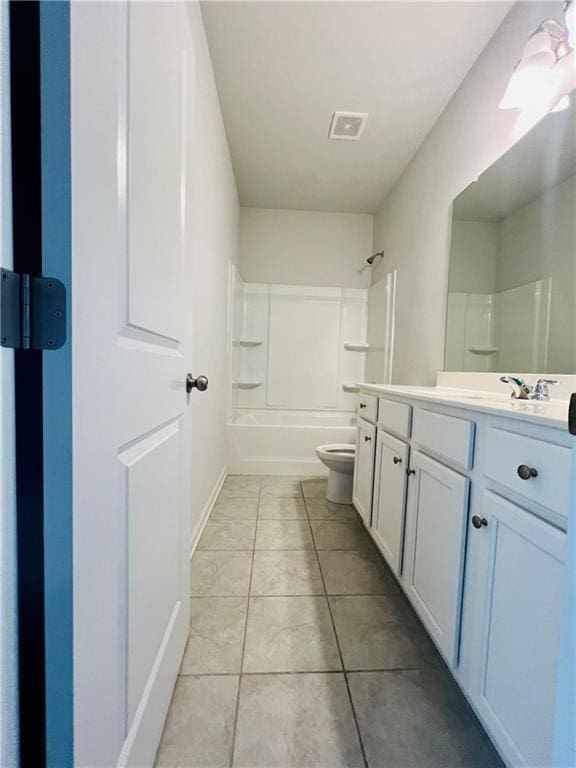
x,y
520,390
523,391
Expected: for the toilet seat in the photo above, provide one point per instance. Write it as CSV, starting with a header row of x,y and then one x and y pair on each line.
x,y
337,453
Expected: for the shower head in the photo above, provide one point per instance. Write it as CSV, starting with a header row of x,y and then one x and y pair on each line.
x,y
371,259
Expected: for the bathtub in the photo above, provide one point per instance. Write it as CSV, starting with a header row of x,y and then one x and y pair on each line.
x,y
266,442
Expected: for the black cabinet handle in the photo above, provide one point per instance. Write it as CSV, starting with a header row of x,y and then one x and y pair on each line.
x,y
367,439
479,522
362,405
410,472
397,460
525,472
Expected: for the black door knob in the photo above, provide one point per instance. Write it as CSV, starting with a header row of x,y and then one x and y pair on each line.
x,y
397,460
525,472
201,383
479,522
410,472
367,439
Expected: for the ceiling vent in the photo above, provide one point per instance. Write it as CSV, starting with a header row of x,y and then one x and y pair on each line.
x,y
347,126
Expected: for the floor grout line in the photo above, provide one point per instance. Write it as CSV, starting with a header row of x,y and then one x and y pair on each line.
x,y
350,699
236,713
384,670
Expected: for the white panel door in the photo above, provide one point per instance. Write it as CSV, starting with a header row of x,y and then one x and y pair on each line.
x,y
132,74
434,549
390,498
364,469
524,566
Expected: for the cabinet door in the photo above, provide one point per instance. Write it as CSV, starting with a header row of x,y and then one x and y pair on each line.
x,y
435,549
364,470
390,498
524,565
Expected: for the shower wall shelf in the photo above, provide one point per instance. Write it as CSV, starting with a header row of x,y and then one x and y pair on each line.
x,y
483,350
356,346
350,387
248,383
249,342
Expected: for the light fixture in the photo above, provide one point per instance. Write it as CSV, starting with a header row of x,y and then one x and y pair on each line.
x,y
544,75
570,19
563,104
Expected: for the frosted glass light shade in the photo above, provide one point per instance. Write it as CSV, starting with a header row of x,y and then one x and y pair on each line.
x,y
530,87
570,20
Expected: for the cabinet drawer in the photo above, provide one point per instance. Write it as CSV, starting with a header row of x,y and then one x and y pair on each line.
x,y
506,452
446,436
367,407
394,417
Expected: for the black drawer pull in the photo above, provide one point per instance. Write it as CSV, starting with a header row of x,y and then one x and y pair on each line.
x,y
397,460
479,522
362,405
410,472
525,472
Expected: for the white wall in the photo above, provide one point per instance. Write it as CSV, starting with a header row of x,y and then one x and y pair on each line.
x,y
413,224
214,229
305,247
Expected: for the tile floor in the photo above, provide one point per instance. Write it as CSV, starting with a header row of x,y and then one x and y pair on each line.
x,y
303,651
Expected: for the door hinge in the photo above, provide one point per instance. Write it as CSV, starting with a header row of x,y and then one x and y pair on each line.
x,y
32,311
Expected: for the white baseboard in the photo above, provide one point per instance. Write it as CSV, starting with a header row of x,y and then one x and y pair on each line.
x,y
208,507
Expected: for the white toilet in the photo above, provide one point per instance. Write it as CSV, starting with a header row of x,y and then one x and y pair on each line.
x,y
339,458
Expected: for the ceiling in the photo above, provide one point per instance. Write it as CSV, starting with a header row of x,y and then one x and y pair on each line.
x,y
544,158
283,68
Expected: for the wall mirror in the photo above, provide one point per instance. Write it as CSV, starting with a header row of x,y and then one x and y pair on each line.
x,y
512,277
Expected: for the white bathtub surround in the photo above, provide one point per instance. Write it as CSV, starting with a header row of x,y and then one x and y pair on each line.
x,y
295,347
275,442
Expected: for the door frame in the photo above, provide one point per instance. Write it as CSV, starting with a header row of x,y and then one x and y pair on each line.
x,y
41,222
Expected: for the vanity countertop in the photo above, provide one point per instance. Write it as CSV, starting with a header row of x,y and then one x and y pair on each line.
x,y
553,413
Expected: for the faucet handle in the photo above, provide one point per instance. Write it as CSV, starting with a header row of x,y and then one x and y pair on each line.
x,y
540,391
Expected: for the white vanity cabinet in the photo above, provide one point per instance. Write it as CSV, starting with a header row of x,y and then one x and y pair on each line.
x,y
522,564
364,469
434,549
389,505
470,510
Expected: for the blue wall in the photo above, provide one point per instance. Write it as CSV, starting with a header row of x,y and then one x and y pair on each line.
x,y
57,384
